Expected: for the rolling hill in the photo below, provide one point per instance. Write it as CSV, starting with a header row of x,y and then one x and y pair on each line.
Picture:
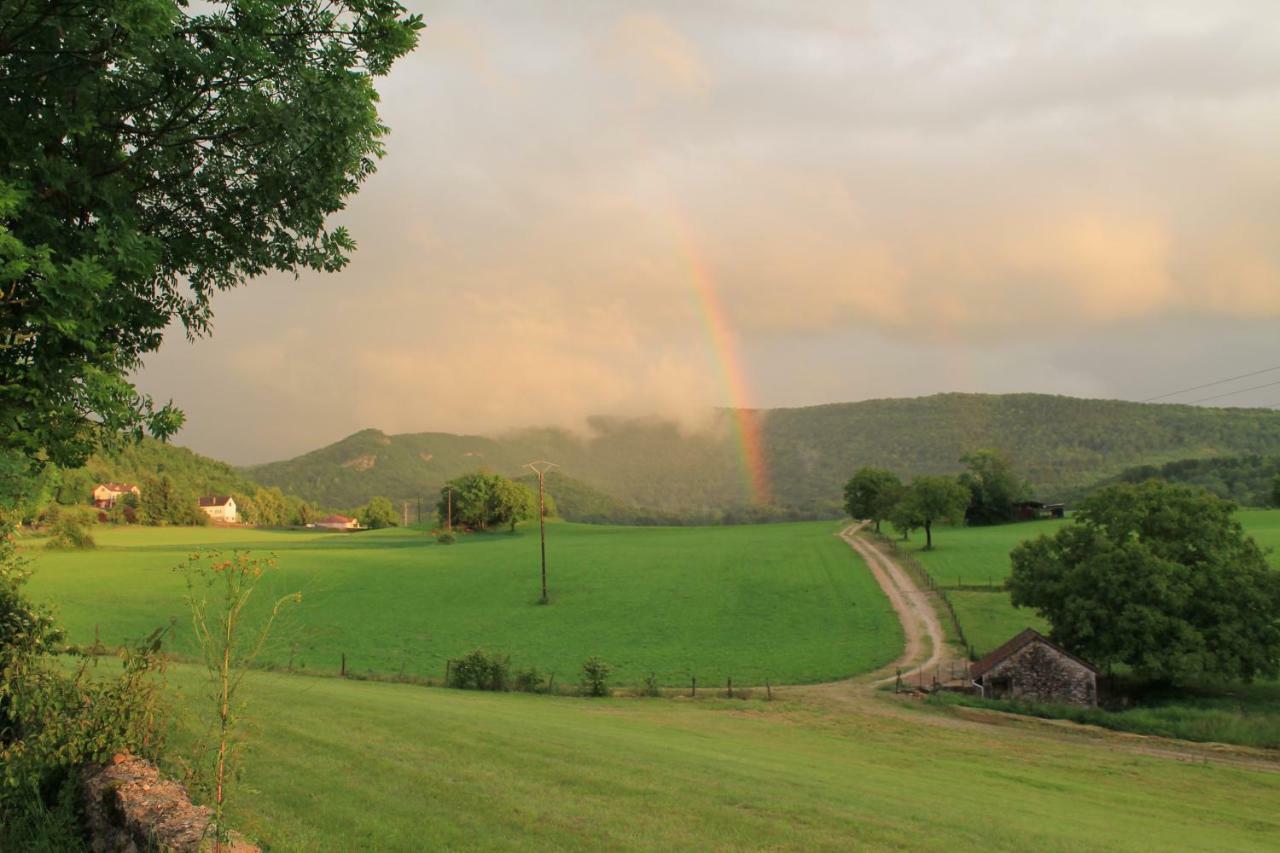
x,y
655,469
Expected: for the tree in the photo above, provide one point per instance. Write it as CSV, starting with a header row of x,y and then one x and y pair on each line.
x,y
152,154
931,498
513,502
1158,577
992,485
377,513
1275,490
872,493
163,501
483,500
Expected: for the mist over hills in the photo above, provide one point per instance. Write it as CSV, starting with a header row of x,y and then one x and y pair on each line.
x,y
650,470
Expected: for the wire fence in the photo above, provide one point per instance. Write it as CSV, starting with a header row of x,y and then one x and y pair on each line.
x,y
926,580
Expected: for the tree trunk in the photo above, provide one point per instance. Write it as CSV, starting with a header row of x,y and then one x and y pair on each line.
x,y
928,535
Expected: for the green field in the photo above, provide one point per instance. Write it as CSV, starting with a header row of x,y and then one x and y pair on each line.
x,y
340,765
788,602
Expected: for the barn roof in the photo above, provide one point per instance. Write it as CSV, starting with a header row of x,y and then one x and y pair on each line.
x,y
215,500
335,519
1028,636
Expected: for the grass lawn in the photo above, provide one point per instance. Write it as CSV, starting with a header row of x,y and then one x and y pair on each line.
x,y
340,765
786,602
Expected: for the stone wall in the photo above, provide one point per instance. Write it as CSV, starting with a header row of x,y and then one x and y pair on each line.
x,y
129,807
1043,674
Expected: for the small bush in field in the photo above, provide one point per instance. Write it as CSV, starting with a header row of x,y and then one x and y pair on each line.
x,y
649,687
595,677
528,680
446,538
481,670
69,533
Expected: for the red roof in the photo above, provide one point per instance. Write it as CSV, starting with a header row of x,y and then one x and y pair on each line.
x,y
1028,636
335,519
117,487
215,500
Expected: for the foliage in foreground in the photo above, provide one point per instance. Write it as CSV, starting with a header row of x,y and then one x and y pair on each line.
x,y
144,167
1157,577
219,589
54,719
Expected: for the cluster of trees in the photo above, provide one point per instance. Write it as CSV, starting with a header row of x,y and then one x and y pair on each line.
x,y
267,506
377,514
1157,577
986,492
482,500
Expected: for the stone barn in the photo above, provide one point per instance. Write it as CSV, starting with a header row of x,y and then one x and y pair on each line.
x,y
1031,667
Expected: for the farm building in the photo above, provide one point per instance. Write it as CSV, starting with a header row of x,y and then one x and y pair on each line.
x,y
1032,510
1031,667
219,507
337,522
105,495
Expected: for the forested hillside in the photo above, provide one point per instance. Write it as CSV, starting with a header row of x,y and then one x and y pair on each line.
x,y
646,469
1247,480
149,459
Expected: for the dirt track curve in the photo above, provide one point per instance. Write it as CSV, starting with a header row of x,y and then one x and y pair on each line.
x,y
926,644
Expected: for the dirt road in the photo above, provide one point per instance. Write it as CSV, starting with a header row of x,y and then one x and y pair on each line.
x,y
926,645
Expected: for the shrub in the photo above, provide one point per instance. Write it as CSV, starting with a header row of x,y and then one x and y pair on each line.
x,y
480,670
595,677
446,538
69,532
649,687
528,680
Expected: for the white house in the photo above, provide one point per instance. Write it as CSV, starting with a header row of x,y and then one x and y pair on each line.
x,y
105,495
220,507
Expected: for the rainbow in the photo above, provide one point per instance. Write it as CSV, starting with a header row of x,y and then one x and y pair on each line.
x,y
746,420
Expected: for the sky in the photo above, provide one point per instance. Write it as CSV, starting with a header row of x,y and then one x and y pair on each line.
x,y
656,209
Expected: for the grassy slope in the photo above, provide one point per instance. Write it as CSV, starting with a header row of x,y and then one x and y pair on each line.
x,y
337,765
786,602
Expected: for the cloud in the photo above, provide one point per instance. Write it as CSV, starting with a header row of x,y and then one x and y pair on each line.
x,y
963,182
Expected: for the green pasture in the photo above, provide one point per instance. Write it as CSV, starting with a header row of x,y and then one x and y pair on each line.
x,y
341,765
785,602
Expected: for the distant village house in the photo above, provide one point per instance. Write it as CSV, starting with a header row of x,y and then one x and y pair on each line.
x,y
1030,667
105,495
337,522
220,508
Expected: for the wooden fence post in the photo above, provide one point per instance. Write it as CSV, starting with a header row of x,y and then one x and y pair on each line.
x,y
731,687
768,689
344,665
448,666
693,686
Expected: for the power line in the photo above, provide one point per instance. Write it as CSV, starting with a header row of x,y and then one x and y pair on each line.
x,y
1211,384
1233,393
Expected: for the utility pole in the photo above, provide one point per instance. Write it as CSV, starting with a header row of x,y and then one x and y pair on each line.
x,y
541,468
